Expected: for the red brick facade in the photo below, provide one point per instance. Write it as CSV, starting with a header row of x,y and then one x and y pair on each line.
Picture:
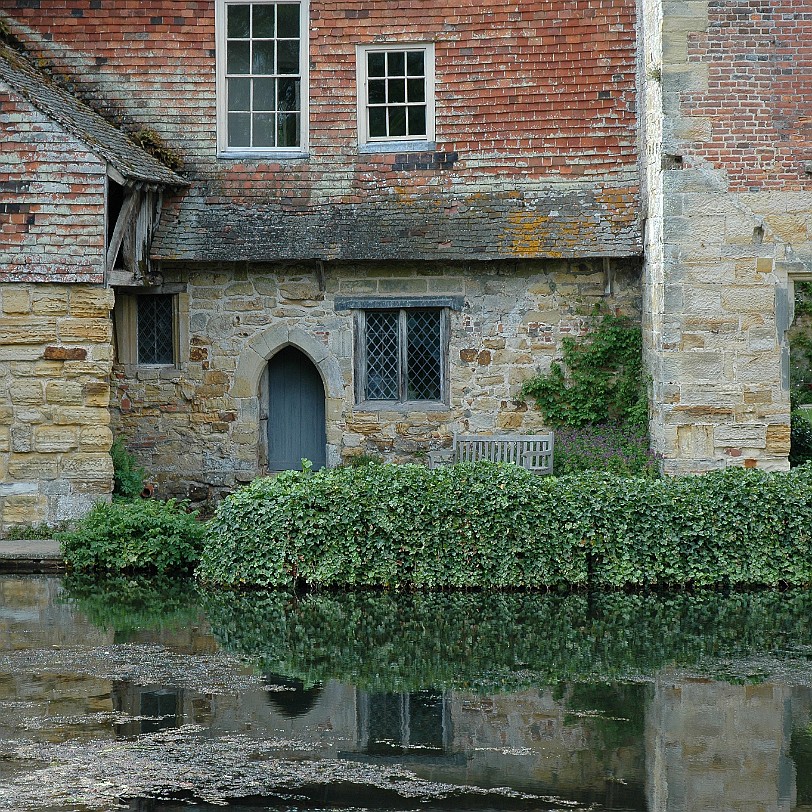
x,y
759,63
532,92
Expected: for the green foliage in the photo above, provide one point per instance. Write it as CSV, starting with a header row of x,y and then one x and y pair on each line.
x,y
800,347
488,641
486,525
604,379
138,534
800,450
617,448
128,478
130,604
36,531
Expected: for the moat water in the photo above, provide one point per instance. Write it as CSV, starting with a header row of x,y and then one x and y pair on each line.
x,y
157,697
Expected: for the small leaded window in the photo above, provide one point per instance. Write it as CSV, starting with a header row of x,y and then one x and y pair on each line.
x,y
156,343
403,355
263,75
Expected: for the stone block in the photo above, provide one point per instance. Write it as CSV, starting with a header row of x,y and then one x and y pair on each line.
x,y
65,354
90,330
88,466
28,509
68,393
81,416
741,436
27,330
96,393
778,439
749,298
26,392
91,302
55,439
695,441
16,300
32,467
49,301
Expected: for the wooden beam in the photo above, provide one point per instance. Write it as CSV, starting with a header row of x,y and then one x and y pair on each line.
x,y
125,218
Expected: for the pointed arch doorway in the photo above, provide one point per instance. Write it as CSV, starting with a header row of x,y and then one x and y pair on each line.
x,y
296,412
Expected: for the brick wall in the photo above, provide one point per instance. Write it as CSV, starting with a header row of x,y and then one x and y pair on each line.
x,y
51,199
537,91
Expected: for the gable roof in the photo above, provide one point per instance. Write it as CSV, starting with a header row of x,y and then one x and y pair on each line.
x,y
102,138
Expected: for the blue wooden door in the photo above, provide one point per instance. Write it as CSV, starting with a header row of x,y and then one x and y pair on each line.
x,y
296,426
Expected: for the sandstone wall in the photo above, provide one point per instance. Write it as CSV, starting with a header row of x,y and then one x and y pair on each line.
x,y
55,361
737,199
196,427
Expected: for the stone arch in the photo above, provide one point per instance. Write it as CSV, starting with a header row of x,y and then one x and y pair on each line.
x,y
248,377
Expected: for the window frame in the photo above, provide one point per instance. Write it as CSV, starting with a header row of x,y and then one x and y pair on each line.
x,y
223,149
361,360
397,143
126,327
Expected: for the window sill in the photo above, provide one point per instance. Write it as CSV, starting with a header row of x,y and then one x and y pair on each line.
x,y
270,155
393,147
401,406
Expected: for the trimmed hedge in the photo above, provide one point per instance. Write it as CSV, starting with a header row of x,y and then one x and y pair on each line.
x,y
486,525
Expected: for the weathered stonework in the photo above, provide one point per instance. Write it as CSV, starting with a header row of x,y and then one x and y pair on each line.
x,y
197,428
54,393
728,203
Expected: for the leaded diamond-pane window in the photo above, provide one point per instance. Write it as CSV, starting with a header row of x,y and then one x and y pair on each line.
x,y
402,355
155,339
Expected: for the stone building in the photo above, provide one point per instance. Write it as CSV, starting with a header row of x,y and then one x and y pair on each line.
x,y
382,218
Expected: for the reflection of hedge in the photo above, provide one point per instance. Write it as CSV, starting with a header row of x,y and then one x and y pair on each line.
x,y
499,526
387,641
126,605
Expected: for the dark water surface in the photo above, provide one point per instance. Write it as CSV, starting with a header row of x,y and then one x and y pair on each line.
x,y
150,696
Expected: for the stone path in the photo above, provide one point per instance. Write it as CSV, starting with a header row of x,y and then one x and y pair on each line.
x,y
30,555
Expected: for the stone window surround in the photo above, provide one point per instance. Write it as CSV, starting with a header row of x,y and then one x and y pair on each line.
x,y
223,150
399,144
125,313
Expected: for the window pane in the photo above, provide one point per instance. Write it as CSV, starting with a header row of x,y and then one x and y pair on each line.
x,y
238,57
416,90
264,94
289,94
263,58
239,94
382,355
239,130
288,57
423,358
263,21
396,63
287,130
397,91
264,130
238,21
377,91
414,63
377,122
397,121
288,20
376,64
417,121
155,345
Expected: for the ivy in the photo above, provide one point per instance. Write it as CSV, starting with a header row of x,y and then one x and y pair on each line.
x,y
499,526
603,382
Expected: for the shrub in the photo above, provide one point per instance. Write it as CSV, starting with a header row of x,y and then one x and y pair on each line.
x,y
128,478
488,525
137,534
618,448
800,449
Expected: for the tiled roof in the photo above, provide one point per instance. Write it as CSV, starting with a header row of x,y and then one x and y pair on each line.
x,y
572,220
101,137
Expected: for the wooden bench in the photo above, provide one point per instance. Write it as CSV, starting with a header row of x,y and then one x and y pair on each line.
x,y
531,451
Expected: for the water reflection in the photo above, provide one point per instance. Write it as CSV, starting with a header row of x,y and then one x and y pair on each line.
x,y
399,702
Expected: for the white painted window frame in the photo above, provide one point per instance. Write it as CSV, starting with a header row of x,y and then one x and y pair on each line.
x,y
223,150
397,143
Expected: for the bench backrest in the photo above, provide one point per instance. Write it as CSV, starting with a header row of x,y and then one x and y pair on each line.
x,y
533,451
